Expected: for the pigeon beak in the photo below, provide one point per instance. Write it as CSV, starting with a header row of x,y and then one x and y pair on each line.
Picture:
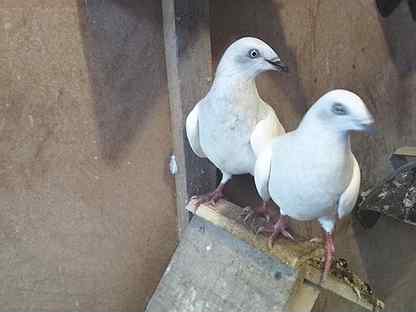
x,y
279,65
370,129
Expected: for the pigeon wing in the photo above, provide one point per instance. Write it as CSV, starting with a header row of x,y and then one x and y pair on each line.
x,y
262,172
265,130
192,131
348,199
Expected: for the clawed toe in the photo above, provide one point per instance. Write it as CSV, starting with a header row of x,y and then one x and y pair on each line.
x,y
279,228
287,234
248,216
316,240
210,198
253,214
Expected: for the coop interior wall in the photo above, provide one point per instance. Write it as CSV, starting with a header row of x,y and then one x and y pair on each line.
x,y
340,44
87,210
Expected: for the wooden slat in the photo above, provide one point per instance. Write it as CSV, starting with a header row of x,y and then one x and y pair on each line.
x,y
188,63
295,254
304,298
212,271
409,151
400,156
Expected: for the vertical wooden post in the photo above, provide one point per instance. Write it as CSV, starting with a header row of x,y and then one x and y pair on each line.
x,y
188,63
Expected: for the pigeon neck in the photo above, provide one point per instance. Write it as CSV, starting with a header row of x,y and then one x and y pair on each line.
x,y
235,86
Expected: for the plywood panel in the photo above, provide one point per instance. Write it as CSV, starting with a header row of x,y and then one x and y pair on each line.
x,y
213,271
87,208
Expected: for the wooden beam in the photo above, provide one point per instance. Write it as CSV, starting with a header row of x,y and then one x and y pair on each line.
x,y
188,64
303,254
212,271
401,155
304,298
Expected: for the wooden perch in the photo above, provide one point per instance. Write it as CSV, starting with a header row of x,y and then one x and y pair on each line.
x,y
304,256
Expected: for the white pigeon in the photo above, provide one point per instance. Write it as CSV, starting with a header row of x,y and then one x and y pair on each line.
x,y
311,173
232,124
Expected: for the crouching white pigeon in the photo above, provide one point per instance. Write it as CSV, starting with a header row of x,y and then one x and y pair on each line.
x,y
311,172
232,124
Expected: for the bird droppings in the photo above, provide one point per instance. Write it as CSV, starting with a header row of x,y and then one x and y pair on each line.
x,y
173,166
208,248
277,275
382,195
395,196
340,269
31,121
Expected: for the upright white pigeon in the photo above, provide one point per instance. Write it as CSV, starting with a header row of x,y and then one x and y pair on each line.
x,y
232,124
311,172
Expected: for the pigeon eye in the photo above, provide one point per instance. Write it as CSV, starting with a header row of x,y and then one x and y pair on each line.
x,y
339,109
253,53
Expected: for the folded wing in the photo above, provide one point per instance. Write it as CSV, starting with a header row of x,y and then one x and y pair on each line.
x,y
265,130
192,131
262,172
348,199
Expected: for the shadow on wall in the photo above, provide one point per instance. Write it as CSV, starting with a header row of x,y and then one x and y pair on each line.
x,y
388,256
125,63
394,277
400,33
261,20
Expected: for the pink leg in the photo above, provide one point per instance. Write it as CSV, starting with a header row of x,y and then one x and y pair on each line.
x,y
259,211
329,255
210,198
280,227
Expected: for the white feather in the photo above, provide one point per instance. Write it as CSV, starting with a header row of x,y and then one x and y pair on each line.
x,y
313,173
192,131
265,131
349,197
232,123
262,172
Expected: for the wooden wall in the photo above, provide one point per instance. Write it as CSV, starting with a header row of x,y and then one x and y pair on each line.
x,y
340,44
87,207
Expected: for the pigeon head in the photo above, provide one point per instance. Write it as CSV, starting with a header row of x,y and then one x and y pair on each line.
x,y
343,111
248,57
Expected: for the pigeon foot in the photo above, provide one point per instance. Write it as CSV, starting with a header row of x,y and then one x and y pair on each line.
x,y
210,198
261,211
279,228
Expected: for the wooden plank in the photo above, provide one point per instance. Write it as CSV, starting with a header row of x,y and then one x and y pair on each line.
x,y
409,151
188,63
304,299
212,271
226,215
401,156
305,254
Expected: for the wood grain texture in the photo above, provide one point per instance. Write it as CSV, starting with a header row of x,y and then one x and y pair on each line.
x,y
296,255
87,206
212,271
188,63
304,298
